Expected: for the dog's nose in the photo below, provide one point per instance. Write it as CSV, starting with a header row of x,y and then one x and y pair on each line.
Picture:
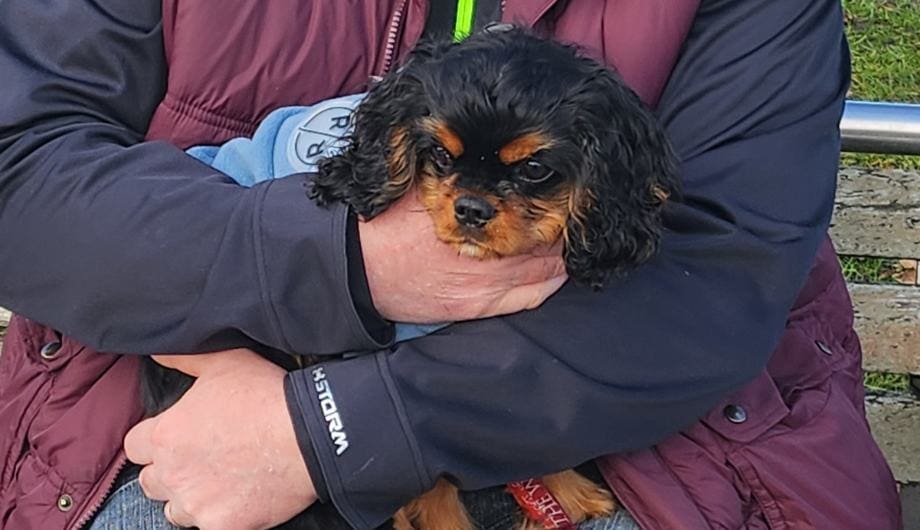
x,y
472,211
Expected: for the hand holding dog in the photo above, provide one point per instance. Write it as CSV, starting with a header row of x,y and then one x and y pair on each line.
x,y
414,277
225,456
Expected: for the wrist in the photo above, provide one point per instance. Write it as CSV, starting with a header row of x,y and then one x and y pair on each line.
x,y
282,435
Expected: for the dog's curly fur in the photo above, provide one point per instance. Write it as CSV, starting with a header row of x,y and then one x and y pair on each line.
x,y
615,167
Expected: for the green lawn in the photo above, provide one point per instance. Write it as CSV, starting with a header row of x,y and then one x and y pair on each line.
x,y
868,270
884,41
884,38
886,382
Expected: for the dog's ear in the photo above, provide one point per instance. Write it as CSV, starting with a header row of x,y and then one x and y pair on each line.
x,y
381,160
628,172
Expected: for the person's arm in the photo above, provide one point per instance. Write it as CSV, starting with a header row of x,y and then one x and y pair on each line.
x,y
135,247
753,108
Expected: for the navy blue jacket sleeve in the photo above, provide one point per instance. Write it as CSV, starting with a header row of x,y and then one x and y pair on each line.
x,y
132,246
752,107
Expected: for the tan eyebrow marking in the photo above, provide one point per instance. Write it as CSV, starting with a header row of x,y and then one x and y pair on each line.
x,y
523,147
445,136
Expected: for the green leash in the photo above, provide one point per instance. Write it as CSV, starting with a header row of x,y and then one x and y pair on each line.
x,y
463,25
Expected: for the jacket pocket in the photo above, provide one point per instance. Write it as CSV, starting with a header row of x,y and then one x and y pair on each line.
x,y
744,418
42,498
24,386
750,412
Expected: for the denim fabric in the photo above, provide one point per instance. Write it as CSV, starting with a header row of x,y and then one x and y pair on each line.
x,y
620,521
128,508
492,509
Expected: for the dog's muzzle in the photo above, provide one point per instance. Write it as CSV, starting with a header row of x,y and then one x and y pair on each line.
x,y
473,212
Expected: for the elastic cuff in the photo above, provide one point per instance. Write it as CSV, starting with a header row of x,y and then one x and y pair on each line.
x,y
303,441
368,456
304,269
380,329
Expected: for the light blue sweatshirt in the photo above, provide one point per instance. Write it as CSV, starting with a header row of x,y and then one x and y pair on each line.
x,y
292,140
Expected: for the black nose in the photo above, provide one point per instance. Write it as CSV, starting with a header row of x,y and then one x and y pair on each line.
x,y
473,211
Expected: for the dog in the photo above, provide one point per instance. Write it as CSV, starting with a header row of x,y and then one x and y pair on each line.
x,y
512,142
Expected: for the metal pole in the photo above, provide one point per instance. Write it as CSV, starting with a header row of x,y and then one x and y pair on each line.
x,y
890,128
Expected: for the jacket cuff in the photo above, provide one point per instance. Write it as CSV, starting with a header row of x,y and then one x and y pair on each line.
x,y
348,408
295,238
380,329
303,442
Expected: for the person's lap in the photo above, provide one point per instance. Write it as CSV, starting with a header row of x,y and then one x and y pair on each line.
x,y
492,509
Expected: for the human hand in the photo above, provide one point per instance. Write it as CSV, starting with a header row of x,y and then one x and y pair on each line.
x,y
415,277
225,456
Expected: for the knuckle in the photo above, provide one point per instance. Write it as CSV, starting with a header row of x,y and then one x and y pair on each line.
x,y
159,435
168,481
217,520
535,302
460,308
130,446
191,508
498,306
142,479
135,441
560,267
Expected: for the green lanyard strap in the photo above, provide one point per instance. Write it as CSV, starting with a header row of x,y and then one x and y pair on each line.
x,y
463,25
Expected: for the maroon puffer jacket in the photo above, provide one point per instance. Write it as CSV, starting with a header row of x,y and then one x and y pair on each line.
x,y
781,453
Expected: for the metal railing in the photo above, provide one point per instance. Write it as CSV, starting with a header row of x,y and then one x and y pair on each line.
x,y
888,128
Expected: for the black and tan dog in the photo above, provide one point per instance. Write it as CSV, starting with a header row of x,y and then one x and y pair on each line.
x,y
512,142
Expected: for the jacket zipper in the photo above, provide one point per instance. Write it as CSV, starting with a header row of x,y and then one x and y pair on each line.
x,y
97,499
395,23
392,34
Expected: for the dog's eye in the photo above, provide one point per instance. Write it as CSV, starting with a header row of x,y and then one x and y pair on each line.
x,y
442,159
534,172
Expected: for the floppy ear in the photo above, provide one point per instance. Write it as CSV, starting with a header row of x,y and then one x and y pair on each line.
x,y
381,160
629,171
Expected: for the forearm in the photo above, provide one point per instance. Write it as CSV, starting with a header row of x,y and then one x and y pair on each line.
x,y
132,246
488,402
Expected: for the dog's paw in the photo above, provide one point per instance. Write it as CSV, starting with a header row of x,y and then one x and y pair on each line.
x,y
401,521
438,509
580,498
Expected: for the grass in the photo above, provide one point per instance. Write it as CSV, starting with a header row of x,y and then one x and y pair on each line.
x,y
875,270
885,45
886,382
868,270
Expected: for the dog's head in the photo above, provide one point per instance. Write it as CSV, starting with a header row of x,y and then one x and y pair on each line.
x,y
513,142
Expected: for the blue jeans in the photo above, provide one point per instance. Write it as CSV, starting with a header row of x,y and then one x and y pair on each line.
x,y
128,509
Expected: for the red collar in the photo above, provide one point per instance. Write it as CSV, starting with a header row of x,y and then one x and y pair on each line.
x,y
539,504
